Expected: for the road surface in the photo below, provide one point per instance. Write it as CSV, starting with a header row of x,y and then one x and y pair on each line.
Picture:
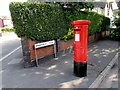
x,y
9,42
10,45
57,73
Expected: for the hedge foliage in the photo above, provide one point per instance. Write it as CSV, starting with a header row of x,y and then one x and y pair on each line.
x,y
48,21
98,22
8,29
38,21
115,32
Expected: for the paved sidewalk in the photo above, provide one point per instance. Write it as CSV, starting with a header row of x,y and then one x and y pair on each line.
x,y
111,79
58,73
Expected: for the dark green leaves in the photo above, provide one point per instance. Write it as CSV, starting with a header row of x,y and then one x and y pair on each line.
x,y
48,21
98,22
38,21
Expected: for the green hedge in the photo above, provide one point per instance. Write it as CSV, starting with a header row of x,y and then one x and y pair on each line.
x,y
98,22
8,29
38,21
115,32
48,21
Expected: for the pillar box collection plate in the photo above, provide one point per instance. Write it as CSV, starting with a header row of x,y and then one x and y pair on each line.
x,y
80,47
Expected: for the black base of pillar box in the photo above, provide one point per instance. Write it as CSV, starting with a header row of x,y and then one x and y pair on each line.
x,y
80,69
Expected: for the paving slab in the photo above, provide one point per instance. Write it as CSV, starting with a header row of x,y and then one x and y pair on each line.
x,y
58,72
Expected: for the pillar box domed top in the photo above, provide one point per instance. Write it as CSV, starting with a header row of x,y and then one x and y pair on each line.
x,y
80,22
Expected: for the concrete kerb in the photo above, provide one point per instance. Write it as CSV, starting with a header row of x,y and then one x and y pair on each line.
x,y
102,75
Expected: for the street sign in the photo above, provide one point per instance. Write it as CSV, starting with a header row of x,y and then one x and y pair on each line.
x,y
43,44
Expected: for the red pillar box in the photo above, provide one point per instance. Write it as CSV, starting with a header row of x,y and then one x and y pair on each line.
x,y
80,47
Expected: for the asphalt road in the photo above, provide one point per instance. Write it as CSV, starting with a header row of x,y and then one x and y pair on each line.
x,y
10,45
57,73
9,42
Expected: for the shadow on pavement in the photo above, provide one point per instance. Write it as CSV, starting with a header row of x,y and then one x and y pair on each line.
x,y
58,73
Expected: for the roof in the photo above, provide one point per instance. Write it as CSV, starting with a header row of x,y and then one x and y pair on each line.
x,y
100,4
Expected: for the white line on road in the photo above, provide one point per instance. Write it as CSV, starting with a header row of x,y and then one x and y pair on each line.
x,y
10,53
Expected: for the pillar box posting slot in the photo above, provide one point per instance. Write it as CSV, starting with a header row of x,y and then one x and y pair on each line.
x,y
80,47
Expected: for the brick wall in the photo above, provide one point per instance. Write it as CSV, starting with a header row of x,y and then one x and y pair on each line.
x,y
92,37
66,44
41,52
62,46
